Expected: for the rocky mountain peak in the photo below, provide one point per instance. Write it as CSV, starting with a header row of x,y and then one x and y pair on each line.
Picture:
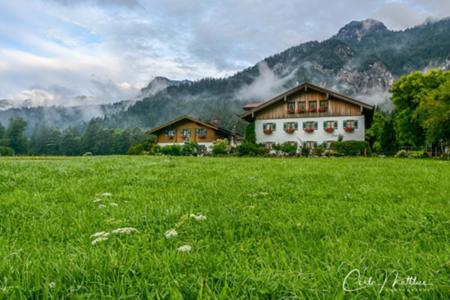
x,y
160,83
356,30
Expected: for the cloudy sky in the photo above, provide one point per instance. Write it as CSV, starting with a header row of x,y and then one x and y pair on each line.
x,y
54,50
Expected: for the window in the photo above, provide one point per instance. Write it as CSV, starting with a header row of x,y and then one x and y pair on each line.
x,y
201,132
170,133
291,107
323,106
290,127
330,126
269,145
312,106
350,125
185,133
301,107
311,144
309,126
268,128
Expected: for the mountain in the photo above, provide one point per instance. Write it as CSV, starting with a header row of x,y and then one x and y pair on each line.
x,y
362,60
160,83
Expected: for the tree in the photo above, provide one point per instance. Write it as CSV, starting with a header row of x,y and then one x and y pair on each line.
x,y
3,141
436,110
388,141
16,137
250,134
70,142
90,135
45,140
407,94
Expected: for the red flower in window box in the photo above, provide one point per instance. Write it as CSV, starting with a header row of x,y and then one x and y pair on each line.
x,y
289,130
309,130
349,129
313,110
329,129
268,130
300,111
323,109
290,110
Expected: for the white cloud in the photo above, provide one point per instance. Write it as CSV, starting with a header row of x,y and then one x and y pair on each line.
x,y
107,50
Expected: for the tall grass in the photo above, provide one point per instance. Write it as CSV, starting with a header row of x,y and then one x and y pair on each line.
x,y
275,228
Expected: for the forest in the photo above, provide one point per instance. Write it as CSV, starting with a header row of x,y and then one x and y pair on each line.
x,y
420,120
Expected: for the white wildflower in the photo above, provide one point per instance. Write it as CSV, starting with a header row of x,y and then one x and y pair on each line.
x,y
96,200
264,193
99,234
113,204
52,285
125,230
101,206
198,217
170,233
99,239
106,194
185,248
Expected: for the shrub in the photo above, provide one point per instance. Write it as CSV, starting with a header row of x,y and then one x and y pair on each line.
x,y
351,148
330,153
6,151
189,149
289,149
174,150
305,151
251,149
319,150
136,149
221,147
402,154
417,154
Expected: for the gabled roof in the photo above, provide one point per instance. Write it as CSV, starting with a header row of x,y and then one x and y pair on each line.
x,y
306,86
189,118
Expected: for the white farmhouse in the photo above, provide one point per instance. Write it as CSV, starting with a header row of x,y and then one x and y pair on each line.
x,y
311,115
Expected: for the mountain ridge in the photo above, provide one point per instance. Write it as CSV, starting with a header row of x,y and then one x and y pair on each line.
x,y
361,60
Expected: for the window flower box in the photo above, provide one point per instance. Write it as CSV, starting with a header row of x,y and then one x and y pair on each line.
x,y
289,130
329,129
301,111
349,129
323,109
312,110
290,110
309,130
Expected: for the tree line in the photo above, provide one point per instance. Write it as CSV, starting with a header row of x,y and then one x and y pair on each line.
x,y
420,119
49,140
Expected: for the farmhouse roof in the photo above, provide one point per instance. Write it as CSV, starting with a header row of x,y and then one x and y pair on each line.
x,y
305,86
189,118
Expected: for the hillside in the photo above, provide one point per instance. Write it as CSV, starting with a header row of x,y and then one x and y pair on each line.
x,y
362,60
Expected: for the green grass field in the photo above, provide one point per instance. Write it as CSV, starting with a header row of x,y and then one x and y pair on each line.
x,y
274,228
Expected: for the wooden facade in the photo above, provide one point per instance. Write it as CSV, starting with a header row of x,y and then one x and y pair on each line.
x,y
198,131
308,101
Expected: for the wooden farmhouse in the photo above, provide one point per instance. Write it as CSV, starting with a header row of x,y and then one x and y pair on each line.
x,y
311,115
187,129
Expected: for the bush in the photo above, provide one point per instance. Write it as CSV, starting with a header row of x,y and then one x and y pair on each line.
x,y
251,149
174,150
6,151
189,149
289,149
417,154
221,147
402,154
351,148
330,153
136,149
305,151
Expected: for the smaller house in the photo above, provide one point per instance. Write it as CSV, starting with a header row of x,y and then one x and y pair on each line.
x,y
188,129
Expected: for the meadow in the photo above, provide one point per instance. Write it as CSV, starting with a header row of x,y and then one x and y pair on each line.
x,y
221,228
